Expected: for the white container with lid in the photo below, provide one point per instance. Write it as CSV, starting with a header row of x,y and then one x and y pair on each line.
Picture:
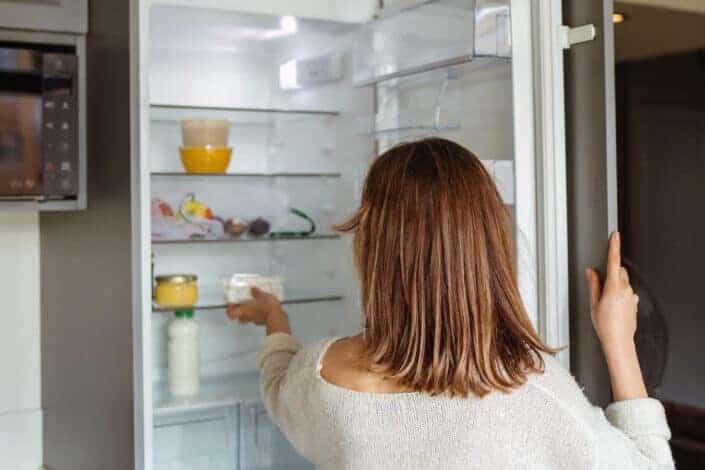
x,y
184,355
238,287
205,132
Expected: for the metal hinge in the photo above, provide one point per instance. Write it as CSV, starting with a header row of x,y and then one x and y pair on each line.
x,y
570,36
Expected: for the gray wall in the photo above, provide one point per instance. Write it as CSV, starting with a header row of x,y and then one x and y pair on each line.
x,y
86,277
662,189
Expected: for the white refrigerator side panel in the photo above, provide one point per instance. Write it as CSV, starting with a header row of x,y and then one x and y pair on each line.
x,y
525,155
553,223
539,134
141,239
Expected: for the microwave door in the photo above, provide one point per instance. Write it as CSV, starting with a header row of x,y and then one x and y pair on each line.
x,y
20,145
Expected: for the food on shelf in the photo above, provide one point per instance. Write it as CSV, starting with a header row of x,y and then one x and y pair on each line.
x,y
161,208
205,145
166,225
238,287
205,132
193,219
184,354
199,218
310,230
191,208
176,290
205,159
235,226
258,227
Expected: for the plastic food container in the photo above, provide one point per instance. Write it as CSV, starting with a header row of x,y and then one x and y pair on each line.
x,y
237,287
202,132
176,290
205,159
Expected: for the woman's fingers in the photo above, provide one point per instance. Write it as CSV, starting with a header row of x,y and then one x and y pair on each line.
x,y
232,311
256,292
614,259
239,312
594,285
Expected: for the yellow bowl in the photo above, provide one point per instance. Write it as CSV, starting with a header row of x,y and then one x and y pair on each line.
x,y
205,159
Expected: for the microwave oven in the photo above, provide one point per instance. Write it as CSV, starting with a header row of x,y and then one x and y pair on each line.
x,y
39,135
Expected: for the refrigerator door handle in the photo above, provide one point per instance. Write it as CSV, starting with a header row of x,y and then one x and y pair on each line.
x,y
570,36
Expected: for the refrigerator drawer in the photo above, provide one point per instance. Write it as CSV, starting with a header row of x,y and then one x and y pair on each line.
x,y
263,446
206,441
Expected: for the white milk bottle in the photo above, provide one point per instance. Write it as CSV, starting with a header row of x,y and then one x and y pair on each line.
x,y
184,345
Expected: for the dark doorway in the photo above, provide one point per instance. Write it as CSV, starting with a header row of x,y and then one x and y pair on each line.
x,y
661,177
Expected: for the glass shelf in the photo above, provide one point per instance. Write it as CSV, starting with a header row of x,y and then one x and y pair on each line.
x,y
245,238
429,129
215,300
216,392
247,116
453,72
177,174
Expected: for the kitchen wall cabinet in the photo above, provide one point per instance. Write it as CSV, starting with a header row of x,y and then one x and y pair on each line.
x,y
67,16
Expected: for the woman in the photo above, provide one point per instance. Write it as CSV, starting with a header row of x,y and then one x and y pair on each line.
x,y
448,372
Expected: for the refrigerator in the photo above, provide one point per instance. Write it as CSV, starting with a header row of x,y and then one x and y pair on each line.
x,y
310,102
312,91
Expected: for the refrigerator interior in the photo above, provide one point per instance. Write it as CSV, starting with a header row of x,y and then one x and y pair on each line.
x,y
303,136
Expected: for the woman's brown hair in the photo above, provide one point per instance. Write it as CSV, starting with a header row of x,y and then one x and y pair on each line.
x,y
441,308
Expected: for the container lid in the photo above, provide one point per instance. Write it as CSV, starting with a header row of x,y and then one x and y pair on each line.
x,y
177,278
184,313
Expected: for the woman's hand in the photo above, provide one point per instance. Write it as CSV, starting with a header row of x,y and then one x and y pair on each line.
x,y
264,309
613,308
613,305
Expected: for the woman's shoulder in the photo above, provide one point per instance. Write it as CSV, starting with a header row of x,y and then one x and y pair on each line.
x,y
310,355
555,380
301,355
559,389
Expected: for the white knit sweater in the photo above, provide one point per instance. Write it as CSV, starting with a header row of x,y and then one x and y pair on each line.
x,y
545,424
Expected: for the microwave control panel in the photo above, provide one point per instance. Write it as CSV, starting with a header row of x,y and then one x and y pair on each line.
x,y
59,125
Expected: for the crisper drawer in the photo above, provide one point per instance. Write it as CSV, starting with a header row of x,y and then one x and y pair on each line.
x,y
263,446
200,441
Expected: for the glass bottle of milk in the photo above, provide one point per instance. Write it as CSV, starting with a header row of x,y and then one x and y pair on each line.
x,y
184,355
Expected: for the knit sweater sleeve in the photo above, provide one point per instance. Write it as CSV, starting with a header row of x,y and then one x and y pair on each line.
x,y
630,434
638,426
282,362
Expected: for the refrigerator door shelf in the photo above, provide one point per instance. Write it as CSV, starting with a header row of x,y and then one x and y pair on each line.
x,y
416,130
406,43
409,123
454,72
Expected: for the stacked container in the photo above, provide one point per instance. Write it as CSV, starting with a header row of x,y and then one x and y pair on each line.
x,y
205,145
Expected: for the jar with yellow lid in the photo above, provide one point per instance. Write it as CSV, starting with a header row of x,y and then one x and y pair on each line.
x,y
176,290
